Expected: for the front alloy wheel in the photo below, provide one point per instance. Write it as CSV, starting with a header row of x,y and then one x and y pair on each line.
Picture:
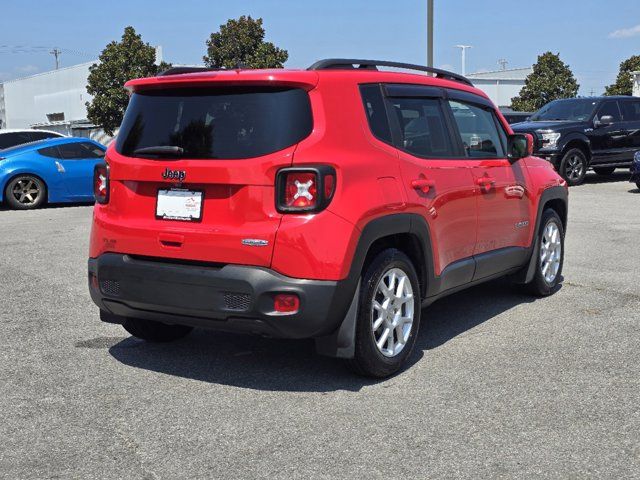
x,y
549,256
550,252
573,167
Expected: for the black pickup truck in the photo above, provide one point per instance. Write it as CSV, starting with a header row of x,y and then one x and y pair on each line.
x,y
576,134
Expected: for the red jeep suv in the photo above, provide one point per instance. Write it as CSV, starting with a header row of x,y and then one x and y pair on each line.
x,y
331,203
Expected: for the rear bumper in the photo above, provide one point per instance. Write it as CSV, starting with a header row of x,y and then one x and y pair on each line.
x,y
230,297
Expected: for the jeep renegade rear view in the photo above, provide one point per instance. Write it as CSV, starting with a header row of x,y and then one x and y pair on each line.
x,y
333,203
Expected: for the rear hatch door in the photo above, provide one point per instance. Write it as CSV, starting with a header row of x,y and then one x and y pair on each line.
x,y
192,170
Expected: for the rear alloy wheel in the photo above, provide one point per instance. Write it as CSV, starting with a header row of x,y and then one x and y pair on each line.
x,y
25,192
550,255
573,166
604,170
388,315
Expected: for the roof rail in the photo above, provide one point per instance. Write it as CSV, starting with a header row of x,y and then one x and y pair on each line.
x,y
184,70
350,63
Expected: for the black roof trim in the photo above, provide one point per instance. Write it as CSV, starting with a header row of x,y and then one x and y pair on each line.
x,y
350,63
185,70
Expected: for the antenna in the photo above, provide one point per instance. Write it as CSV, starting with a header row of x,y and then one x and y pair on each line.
x,y
56,52
503,63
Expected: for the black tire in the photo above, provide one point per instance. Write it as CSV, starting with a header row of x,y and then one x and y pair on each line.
x,y
539,285
638,185
369,360
605,171
573,173
25,192
155,331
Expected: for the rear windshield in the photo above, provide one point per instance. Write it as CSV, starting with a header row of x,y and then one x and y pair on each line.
x,y
214,123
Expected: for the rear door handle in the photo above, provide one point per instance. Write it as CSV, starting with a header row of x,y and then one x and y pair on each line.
x,y
423,184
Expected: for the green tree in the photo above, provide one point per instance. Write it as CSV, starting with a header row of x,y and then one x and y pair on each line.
x,y
119,62
241,42
624,82
551,79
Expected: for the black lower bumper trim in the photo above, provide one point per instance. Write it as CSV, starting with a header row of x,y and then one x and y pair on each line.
x,y
231,297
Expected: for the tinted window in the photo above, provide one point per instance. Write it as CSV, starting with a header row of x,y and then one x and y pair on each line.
x,y
630,110
51,152
375,110
609,108
574,109
42,135
14,138
480,134
216,123
422,127
78,151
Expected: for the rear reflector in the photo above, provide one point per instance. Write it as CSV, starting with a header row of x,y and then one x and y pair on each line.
x,y
286,303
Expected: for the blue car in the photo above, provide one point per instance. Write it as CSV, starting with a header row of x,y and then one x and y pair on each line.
x,y
635,169
56,170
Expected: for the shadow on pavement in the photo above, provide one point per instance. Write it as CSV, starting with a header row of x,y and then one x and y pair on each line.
x,y
620,175
292,365
5,208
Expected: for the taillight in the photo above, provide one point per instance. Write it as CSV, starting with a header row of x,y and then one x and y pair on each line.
x,y
308,189
101,183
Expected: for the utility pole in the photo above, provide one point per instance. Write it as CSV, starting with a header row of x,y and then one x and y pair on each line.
x,y
430,33
463,49
56,52
503,64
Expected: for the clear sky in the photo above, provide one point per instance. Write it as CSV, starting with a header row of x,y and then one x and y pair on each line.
x,y
592,36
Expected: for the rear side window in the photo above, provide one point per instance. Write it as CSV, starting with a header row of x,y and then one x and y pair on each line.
x,y
51,152
216,123
630,111
375,111
481,136
81,150
422,127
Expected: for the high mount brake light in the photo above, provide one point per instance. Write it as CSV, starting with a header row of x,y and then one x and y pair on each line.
x,y
308,189
101,183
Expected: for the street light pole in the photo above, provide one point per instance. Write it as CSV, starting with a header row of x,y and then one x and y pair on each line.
x,y
463,49
430,33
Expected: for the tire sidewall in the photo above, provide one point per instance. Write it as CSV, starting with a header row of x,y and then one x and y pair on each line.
x,y
565,159
366,348
11,200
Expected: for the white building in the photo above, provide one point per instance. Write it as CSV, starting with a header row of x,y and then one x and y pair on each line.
x,y
53,100
635,76
501,85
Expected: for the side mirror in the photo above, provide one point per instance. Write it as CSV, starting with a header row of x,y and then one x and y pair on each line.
x,y
604,121
519,146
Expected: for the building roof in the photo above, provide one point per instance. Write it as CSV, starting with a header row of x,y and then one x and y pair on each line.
x,y
50,72
510,74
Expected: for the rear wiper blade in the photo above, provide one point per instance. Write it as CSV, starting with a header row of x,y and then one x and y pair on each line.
x,y
169,150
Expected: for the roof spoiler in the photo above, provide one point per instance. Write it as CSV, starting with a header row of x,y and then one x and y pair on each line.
x,y
354,63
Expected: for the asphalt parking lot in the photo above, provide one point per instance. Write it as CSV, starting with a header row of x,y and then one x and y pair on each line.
x,y
500,386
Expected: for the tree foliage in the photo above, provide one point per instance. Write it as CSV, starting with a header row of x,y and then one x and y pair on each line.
x,y
624,82
551,79
119,62
241,43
